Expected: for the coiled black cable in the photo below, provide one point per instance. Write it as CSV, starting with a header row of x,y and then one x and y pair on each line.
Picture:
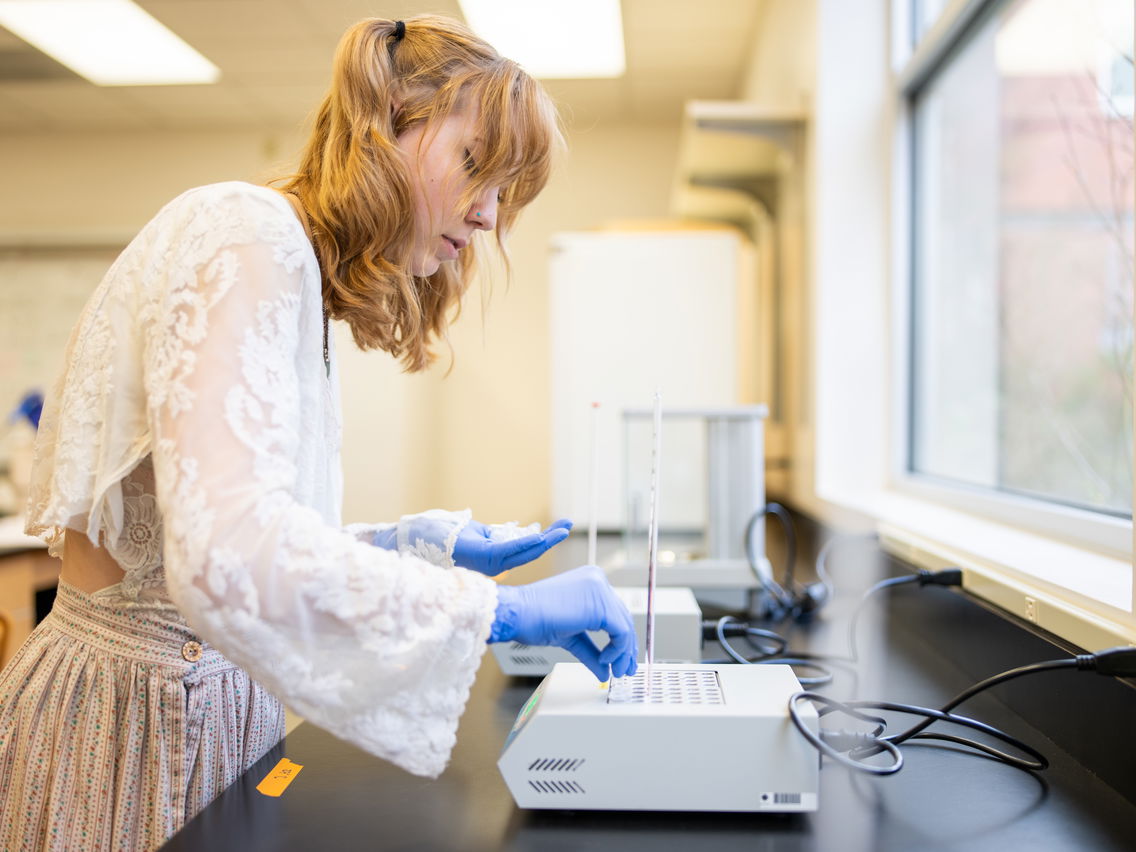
x,y
775,653
852,748
780,602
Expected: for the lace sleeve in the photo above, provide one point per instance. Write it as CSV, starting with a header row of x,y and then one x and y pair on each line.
x,y
429,535
378,647
367,532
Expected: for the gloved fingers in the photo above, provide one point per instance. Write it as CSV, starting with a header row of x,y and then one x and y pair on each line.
x,y
529,547
632,666
553,536
624,665
584,649
617,617
561,524
620,653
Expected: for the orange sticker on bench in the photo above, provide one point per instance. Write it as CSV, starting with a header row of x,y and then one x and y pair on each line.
x,y
277,781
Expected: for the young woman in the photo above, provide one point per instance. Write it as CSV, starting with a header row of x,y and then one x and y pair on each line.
x,y
188,468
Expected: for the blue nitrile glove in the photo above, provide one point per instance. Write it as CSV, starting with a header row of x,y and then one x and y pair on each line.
x,y
482,548
560,610
386,539
30,407
489,549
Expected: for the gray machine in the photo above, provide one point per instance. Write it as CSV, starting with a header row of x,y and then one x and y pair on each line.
x,y
689,738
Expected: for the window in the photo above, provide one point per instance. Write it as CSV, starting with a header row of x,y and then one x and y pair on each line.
x,y
924,15
1021,374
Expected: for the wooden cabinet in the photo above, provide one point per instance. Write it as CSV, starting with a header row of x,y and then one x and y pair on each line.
x,y
22,574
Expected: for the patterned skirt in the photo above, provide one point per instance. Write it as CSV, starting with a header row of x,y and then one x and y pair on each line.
x,y
117,726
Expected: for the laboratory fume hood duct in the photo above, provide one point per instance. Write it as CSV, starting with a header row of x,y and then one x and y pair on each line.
x,y
743,163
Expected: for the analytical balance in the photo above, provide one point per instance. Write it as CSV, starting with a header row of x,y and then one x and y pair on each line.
x,y
715,484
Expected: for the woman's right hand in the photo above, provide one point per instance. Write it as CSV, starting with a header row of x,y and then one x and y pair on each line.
x,y
560,610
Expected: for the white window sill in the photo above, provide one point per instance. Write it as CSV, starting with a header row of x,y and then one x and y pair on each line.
x,y
1079,595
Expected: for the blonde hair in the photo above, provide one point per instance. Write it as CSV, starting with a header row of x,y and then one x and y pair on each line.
x,y
354,183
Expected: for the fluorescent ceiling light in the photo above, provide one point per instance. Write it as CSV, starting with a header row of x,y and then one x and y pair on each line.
x,y
553,38
110,42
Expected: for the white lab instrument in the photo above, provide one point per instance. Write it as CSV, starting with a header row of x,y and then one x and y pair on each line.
x,y
702,738
678,634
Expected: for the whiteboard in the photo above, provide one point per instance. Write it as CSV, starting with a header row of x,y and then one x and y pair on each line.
x,y
632,312
42,291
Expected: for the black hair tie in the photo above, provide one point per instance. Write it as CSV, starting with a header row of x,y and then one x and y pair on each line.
x,y
399,30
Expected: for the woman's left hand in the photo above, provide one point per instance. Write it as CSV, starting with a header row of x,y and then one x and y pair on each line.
x,y
477,548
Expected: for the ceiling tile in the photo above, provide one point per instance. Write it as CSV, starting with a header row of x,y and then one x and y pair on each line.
x,y
275,57
298,62
79,105
661,33
334,17
662,96
583,103
285,106
19,115
201,22
199,106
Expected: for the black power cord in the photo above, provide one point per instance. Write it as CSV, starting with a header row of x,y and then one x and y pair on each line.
x,y
943,577
779,602
773,648
788,598
852,748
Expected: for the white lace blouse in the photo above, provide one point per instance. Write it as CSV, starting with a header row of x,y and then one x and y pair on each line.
x,y
195,433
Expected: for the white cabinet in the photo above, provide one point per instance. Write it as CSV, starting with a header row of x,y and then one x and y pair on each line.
x,y
632,311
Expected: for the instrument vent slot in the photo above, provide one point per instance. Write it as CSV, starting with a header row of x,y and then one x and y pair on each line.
x,y
556,764
561,787
528,660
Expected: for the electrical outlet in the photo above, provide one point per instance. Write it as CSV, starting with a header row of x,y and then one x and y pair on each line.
x,y
1031,609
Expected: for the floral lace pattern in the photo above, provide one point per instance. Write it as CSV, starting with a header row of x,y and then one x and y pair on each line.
x,y
138,550
195,433
141,537
432,534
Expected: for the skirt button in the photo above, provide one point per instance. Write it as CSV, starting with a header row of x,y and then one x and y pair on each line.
x,y
191,651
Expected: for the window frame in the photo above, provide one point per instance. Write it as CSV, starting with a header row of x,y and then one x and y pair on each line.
x,y
848,341
916,65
